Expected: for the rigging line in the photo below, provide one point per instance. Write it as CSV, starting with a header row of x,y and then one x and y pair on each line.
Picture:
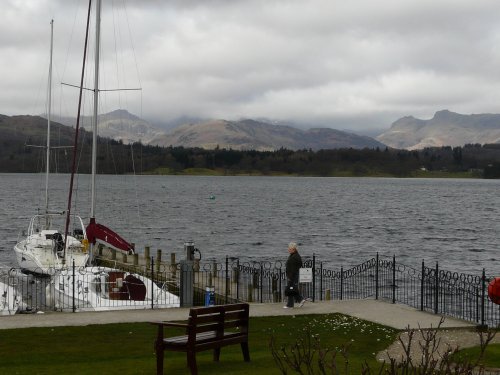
x,y
37,101
68,214
100,90
110,150
116,55
139,89
81,151
70,42
63,101
75,86
132,153
132,42
135,183
133,89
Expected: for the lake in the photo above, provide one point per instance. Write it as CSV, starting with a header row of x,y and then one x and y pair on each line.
x,y
343,221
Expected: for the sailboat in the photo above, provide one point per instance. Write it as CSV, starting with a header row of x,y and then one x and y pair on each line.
x,y
43,249
103,288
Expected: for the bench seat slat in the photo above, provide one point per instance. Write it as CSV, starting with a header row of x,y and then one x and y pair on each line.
x,y
207,328
200,338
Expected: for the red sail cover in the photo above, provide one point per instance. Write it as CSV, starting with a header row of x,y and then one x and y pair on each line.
x,y
100,233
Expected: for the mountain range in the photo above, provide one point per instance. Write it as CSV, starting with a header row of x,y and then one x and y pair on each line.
x,y
237,135
444,129
260,136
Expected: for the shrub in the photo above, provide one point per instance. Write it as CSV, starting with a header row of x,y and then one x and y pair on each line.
x,y
306,355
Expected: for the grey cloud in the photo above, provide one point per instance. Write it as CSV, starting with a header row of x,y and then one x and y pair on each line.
x,y
342,64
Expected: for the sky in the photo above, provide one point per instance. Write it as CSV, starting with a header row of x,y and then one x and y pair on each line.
x,y
349,65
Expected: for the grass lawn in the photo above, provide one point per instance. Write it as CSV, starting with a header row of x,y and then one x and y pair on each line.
x,y
491,356
128,348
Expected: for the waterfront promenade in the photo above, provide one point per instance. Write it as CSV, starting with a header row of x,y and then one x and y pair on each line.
x,y
393,315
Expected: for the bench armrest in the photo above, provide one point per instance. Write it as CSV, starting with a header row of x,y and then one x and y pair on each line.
x,y
169,324
162,325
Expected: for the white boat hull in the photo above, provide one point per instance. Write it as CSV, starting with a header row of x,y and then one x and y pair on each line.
x,y
43,252
37,255
10,300
104,289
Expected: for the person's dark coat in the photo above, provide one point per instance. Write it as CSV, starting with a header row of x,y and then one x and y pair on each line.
x,y
293,264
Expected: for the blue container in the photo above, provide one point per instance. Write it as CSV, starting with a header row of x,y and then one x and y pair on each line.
x,y
209,296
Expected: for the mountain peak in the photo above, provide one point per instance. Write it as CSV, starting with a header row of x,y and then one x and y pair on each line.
x,y
445,114
446,128
120,113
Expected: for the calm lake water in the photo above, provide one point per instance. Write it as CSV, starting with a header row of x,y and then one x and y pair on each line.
x,y
344,221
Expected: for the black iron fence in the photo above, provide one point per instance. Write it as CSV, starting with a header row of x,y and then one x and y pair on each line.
x,y
162,284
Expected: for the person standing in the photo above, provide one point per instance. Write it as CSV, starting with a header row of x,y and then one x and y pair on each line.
x,y
293,265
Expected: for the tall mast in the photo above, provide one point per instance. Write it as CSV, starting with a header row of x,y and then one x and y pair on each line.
x,y
49,111
94,123
96,106
77,130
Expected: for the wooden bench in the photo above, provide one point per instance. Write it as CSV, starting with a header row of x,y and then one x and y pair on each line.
x,y
207,328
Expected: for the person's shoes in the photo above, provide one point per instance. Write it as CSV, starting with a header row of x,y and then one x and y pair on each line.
x,y
288,307
302,302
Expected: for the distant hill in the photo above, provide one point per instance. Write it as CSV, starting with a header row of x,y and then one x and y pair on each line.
x,y
16,132
260,136
33,130
444,129
119,125
249,134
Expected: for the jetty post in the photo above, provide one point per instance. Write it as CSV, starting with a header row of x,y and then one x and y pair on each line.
x,y
187,275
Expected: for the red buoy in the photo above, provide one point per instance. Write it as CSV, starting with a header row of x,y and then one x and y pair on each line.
x,y
494,290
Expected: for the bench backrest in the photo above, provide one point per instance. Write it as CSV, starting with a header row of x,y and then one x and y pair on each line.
x,y
218,319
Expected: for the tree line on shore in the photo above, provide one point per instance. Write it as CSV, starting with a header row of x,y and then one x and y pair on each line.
x,y
114,157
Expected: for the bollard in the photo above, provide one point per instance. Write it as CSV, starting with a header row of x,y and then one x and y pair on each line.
x,y
236,275
158,260
186,283
189,250
214,269
136,259
187,276
255,279
328,295
147,257
173,266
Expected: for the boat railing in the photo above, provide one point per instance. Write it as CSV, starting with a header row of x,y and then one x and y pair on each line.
x,y
43,221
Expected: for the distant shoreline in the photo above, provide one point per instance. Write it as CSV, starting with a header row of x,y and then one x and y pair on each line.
x,y
221,172
347,174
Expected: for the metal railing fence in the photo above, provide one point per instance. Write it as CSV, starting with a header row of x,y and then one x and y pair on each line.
x,y
426,288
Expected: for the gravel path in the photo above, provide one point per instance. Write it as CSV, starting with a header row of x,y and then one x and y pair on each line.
x,y
445,338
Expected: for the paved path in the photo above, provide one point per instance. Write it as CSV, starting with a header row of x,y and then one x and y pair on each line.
x,y
392,315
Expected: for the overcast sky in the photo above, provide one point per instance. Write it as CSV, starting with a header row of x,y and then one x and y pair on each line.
x,y
355,64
